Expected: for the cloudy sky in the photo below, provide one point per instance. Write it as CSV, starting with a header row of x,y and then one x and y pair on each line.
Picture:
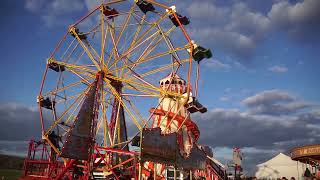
x,y
261,87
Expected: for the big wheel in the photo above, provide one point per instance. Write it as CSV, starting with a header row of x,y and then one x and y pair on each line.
x,y
100,81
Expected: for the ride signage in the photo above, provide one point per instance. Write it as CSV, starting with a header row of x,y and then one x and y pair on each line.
x,y
311,150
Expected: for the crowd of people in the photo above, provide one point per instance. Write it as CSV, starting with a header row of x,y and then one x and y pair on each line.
x,y
311,176
255,178
283,178
307,175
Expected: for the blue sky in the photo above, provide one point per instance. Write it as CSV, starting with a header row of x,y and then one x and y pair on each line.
x,y
265,66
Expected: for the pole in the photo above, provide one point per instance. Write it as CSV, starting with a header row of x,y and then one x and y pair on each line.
x,y
140,158
140,171
154,171
235,171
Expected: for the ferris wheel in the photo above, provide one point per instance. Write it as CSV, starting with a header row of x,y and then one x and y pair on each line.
x,y
109,68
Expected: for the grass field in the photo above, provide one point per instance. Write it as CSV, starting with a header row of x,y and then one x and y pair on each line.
x,y
10,174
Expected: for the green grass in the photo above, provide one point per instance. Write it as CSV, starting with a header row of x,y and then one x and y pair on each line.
x,y
10,174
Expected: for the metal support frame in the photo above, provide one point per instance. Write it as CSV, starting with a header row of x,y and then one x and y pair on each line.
x,y
55,169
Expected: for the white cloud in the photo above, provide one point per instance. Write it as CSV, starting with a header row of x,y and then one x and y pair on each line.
x,y
14,148
90,4
24,120
55,12
247,22
207,9
256,150
251,130
51,20
224,99
275,102
300,62
63,6
316,112
227,90
300,20
216,65
259,135
278,69
268,96
34,5
230,41
238,29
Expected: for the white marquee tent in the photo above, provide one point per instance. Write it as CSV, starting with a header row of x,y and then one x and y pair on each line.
x,y
280,166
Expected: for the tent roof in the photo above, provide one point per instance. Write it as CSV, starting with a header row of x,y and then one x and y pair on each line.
x,y
280,166
279,160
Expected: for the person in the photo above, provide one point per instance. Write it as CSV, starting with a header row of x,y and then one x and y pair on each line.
x,y
283,178
307,173
54,138
151,177
292,178
318,173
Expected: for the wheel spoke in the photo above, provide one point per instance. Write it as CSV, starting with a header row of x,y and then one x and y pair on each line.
x,y
85,48
117,95
148,59
138,41
58,120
